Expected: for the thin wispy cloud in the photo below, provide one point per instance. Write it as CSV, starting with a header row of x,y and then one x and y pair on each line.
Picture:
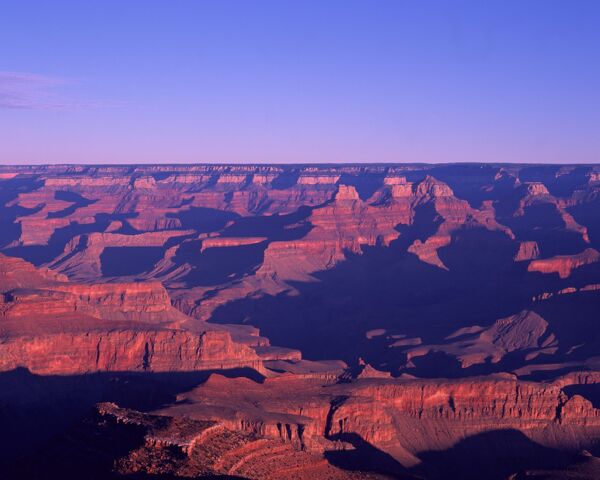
x,y
26,91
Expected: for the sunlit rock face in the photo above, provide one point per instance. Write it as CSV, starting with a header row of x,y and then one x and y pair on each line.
x,y
56,327
303,321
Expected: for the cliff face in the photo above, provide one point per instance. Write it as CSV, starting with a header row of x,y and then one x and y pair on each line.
x,y
149,302
125,349
301,420
409,421
397,248
82,255
466,294
406,418
564,264
60,328
527,251
16,273
347,224
114,441
471,406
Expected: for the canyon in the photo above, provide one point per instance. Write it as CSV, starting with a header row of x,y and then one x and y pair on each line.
x,y
300,321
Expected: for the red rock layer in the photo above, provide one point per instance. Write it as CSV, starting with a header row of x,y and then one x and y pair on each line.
x,y
125,349
64,328
564,264
192,448
528,250
402,417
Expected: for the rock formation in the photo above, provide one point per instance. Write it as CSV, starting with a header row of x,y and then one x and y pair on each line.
x,y
301,321
51,326
564,264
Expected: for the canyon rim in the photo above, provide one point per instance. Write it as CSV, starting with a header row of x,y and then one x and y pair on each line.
x,y
303,321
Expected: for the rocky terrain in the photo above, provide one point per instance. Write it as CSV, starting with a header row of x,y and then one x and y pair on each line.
x,y
322,321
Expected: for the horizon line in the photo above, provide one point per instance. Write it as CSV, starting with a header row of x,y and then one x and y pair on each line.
x,y
295,164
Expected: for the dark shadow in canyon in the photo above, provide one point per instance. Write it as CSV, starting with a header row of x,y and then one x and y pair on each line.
x,y
561,184
285,180
365,185
34,408
493,455
90,448
77,202
203,219
587,214
542,223
590,392
10,229
40,254
274,227
573,318
125,261
389,288
392,289
218,265
364,457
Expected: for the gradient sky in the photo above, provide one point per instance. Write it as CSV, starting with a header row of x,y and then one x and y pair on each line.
x,y
299,81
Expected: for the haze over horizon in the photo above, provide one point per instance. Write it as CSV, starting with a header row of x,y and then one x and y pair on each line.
x,y
304,82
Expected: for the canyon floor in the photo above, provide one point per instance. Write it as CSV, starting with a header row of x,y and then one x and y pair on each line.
x,y
300,321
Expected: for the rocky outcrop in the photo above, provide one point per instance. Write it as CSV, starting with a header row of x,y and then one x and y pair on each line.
x,y
528,250
17,273
217,235
54,327
87,181
124,348
184,448
564,264
308,179
345,224
225,242
418,269
536,194
536,188
116,302
409,417
525,332
453,214
146,182
403,417
81,258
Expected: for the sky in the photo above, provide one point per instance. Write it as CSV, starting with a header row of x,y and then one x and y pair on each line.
x,y
294,81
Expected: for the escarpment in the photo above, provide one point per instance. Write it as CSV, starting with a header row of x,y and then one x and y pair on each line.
x,y
237,243
125,349
301,321
64,328
563,265
403,417
409,419
178,448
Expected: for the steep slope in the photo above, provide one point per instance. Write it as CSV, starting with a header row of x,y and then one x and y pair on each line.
x,y
51,326
463,297
404,418
234,243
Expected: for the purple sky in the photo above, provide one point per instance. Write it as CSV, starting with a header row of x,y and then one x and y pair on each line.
x,y
299,81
